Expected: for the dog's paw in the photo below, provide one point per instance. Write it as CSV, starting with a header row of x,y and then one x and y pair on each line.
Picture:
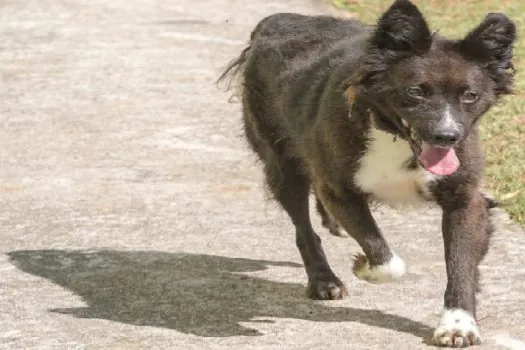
x,y
334,228
326,287
388,272
456,329
338,231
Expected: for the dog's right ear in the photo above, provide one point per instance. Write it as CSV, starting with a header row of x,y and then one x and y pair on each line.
x,y
401,32
402,29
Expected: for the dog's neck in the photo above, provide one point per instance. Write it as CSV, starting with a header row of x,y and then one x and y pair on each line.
x,y
382,122
382,119
374,116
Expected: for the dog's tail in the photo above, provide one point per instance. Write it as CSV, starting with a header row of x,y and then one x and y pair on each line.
x,y
232,74
233,71
234,67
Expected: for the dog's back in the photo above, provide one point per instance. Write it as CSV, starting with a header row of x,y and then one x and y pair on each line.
x,y
293,37
276,72
298,36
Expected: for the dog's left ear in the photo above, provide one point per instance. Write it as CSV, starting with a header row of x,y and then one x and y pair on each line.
x,y
491,44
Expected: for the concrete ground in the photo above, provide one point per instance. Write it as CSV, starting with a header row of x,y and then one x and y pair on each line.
x,y
133,217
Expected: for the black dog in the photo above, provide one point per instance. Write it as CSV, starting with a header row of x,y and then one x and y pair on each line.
x,y
391,114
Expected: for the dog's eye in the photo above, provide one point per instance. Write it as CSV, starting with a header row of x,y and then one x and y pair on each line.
x,y
469,97
416,91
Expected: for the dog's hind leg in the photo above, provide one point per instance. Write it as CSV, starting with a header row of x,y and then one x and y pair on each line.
x,y
290,186
351,210
328,221
291,189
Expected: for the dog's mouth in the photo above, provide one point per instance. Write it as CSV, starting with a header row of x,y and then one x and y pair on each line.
x,y
437,160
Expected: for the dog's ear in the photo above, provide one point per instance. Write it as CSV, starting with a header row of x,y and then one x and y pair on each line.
x,y
400,32
492,40
402,29
491,44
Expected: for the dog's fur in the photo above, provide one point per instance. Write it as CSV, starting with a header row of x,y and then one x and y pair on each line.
x,y
320,98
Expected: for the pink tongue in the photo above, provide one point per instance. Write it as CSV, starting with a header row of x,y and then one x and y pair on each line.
x,y
437,160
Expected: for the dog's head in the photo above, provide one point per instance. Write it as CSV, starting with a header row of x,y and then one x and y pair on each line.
x,y
436,86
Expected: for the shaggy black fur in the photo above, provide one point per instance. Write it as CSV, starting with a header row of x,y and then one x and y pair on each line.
x,y
314,86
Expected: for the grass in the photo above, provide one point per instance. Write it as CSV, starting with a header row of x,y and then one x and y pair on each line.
x,y
503,128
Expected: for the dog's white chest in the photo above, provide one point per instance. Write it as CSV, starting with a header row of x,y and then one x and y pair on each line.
x,y
384,174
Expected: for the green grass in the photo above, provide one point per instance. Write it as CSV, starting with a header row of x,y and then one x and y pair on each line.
x,y
503,128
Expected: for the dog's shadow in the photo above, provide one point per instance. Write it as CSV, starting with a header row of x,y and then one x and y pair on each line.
x,y
199,294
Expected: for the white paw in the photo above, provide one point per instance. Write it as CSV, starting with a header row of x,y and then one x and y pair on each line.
x,y
384,273
457,329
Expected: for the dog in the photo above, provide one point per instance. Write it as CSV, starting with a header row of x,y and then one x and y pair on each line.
x,y
389,113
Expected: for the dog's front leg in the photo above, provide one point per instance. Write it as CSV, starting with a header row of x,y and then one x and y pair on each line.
x,y
351,211
466,234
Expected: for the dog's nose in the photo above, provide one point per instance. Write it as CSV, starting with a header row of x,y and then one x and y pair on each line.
x,y
446,137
